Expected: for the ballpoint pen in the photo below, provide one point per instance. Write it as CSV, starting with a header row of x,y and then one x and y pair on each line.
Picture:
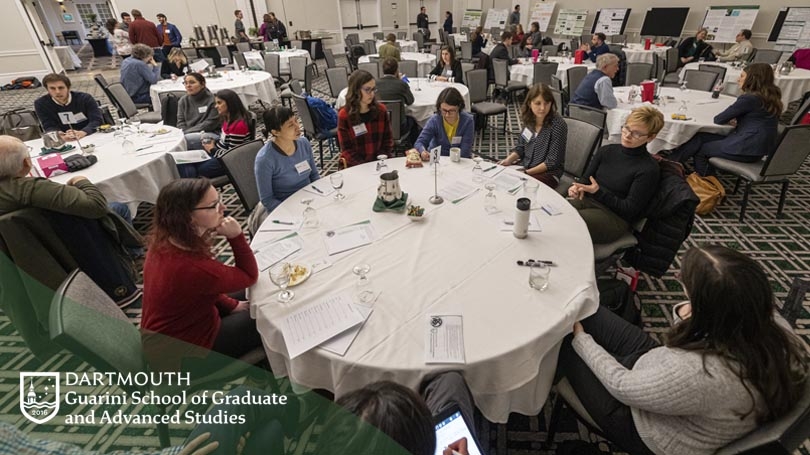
x,y
143,148
283,222
490,168
534,263
316,189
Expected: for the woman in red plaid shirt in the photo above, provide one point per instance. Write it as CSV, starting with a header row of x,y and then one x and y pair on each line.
x,y
364,130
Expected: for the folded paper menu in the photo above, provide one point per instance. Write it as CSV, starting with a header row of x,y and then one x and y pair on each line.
x,y
317,322
508,182
444,339
269,253
348,237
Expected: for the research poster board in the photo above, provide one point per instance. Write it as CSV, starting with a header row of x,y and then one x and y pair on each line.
x,y
791,29
496,18
664,21
472,18
610,21
541,13
724,22
570,22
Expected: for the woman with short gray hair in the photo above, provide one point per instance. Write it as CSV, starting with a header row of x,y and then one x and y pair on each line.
x,y
139,73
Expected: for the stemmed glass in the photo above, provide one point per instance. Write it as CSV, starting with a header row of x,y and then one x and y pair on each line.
x,y
490,201
280,276
683,107
136,122
683,86
381,166
310,215
336,180
477,171
364,292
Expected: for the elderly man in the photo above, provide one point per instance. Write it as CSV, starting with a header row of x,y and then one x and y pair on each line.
x,y
596,90
597,46
84,115
139,72
740,50
390,49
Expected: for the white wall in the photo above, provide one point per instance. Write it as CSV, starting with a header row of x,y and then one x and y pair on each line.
x,y
185,14
20,53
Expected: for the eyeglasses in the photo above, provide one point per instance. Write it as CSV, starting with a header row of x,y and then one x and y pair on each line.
x,y
215,205
633,134
449,111
369,90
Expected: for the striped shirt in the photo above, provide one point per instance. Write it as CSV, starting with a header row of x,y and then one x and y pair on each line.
x,y
547,146
233,134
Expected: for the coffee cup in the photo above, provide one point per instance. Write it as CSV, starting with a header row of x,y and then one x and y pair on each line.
x,y
455,154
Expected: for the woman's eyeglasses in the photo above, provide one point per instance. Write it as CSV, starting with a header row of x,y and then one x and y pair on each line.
x,y
449,111
369,90
633,134
215,205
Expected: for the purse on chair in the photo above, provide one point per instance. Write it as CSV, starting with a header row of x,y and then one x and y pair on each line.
x,y
708,189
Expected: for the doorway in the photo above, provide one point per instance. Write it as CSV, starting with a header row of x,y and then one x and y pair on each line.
x,y
36,19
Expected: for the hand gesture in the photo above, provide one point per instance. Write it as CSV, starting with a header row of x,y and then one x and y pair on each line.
x,y
459,446
578,328
191,447
76,179
591,189
208,146
243,305
229,227
425,156
574,192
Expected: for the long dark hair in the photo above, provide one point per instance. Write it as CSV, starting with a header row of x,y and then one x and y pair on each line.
x,y
172,218
526,113
452,53
236,110
759,81
354,95
110,24
732,317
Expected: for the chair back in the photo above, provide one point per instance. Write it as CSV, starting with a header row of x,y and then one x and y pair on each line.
x,y
477,82
402,35
573,45
101,81
239,58
550,48
295,87
790,153
330,58
659,66
84,320
168,106
558,99
515,52
224,55
409,68
618,39
575,76
700,80
338,79
582,141
543,72
191,52
672,60
803,109
371,46
380,36
394,116
272,64
464,68
720,70
637,72
238,164
595,117
126,107
769,56
451,42
243,47
556,83
307,119
354,38
466,50
420,39
500,68
298,68
309,75
371,67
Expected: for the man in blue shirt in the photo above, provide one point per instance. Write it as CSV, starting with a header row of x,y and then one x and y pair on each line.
x,y
597,46
596,90
139,72
168,33
84,118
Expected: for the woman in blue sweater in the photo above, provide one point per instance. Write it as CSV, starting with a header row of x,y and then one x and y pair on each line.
x,y
286,163
755,115
449,127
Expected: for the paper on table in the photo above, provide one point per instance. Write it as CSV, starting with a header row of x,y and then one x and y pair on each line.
x,y
284,224
190,156
269,253
340,344
149,150
317,322
457,191
507,182
493,169
507,224
198,66
444,339
348,237
321,184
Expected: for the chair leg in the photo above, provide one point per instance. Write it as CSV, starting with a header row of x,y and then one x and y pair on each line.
x,y
782,196
745,200
320,152
736,185
554,421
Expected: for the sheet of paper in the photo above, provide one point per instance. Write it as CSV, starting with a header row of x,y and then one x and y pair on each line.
x,y
317,322
324,188
190,156
199,66
275,224
507,224
507,182
457,191
269,253
444,339
348,237
340,344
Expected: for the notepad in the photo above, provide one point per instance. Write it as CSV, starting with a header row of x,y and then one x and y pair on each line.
x,y
190,156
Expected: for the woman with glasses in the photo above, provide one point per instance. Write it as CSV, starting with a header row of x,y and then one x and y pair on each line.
x,y
196,112
364,129
725,368
449,127
620,179
235,131
448,68
541,146
755,116
186,288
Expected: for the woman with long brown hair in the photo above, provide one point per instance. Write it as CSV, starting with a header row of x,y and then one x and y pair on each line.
x,y
541,145
727,368
364,130
755,115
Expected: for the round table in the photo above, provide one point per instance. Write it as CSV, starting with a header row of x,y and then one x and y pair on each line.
x,y
635,53
405,45
701,108
425,94
793,85
128,178
455,262
524,71
249,85
425,62
284,58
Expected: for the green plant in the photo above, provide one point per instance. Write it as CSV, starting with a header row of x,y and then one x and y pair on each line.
x,y
92,17
253,31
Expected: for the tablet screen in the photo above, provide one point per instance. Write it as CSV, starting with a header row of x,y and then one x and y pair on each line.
x,y
451,429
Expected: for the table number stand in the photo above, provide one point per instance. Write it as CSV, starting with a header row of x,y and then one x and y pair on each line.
x,y
434,161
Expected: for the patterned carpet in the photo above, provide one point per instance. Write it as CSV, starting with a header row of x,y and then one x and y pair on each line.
x,y
781,245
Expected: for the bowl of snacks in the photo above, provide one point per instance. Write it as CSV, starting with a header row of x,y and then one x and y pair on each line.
x,y
416,213
105,128
88,149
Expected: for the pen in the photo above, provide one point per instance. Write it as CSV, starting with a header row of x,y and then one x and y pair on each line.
x,y
283,222
490,168
533,263
143,148
316,189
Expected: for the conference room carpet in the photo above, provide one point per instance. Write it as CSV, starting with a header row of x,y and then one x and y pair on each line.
x,y
781,246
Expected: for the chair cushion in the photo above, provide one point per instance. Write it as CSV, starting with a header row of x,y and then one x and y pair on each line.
x,y
149,117
748,171
567,393
604,250
516,85
488,108
286,93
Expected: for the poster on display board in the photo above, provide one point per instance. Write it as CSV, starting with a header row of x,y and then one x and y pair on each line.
x,y
541,13
724,22
791,29
472,18
496,18
610,21
570,22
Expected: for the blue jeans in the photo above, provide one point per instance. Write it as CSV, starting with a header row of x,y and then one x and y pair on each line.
x,y
209,168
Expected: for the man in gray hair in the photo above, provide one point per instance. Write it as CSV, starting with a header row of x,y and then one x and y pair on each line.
x,y
596,90
139,72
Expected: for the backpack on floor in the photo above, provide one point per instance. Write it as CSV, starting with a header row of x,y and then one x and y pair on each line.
x,y
708,189
617,296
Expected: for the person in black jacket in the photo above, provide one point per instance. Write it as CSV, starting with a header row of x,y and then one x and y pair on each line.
x,y
60,99
448,67
501,50
175,65
694,47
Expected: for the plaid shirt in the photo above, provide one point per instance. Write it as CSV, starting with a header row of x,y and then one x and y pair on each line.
x,y
364,148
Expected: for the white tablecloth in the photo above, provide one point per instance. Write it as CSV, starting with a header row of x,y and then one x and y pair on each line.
x,y
250,86
425,94
457,261
284,58
405,45
524,72
637,54
701,108
792,85
128,178
425,62
68,58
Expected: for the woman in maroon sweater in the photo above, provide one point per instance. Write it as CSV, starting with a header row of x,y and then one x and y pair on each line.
x,y
185,287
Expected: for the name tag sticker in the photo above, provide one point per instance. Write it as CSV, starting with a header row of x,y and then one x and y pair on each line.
x,y
202,109
527,134
302,167
456,140
360,129
449,73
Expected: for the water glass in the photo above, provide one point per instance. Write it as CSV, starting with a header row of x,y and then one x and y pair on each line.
x,y
490,200
336,180
538,276
310,216
477,171
280,276
530,189
365,293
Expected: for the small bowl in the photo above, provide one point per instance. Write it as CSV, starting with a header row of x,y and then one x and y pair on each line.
x,y
416,218
88,149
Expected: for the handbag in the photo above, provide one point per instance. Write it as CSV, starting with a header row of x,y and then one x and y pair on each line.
x,y
708,189
20,123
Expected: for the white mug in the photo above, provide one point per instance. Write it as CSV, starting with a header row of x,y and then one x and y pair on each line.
x,y
455,154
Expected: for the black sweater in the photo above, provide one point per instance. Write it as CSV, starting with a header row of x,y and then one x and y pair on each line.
x,y
48,112
627,178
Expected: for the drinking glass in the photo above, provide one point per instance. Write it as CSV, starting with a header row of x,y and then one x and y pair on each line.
x,y
137,124
477,171
683,86
127,145
336,180
280,276
381,166
538,276
530,190
310,215
490,201
364,292
683,107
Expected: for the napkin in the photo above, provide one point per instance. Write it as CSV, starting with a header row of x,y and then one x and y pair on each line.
x,y
396,206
